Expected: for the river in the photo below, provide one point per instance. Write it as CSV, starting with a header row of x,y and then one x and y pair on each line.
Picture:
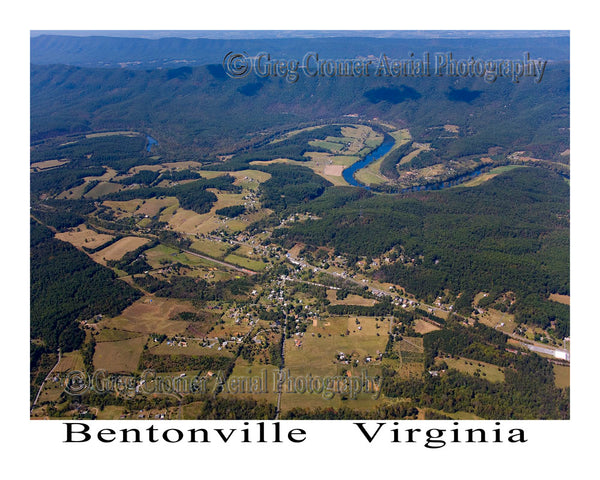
x,y
376,154
151,141
384,148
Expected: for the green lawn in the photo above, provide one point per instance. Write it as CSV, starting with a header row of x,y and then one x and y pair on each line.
x,y
246,262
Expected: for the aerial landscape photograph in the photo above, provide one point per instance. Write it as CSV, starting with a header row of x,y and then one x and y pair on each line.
x,y
299,225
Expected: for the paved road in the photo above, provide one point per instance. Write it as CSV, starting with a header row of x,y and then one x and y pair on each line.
x,y
525,342
286,278
220,262
547,350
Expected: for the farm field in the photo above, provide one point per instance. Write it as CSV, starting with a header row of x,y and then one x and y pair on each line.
x,y
119,248
212,248
113,335
564,299
48,164
119,356
246,262
151,315
484,177
562,376
488,371
423,327
103,188
82,236
351,299
69,361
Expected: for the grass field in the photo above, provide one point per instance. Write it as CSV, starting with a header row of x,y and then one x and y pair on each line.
x,y
191,223
118,249
73,193
452,128
423,327
126,133
151,315
565,299
316,357
418,149
193,348
261,380
562,376
456,415
70,361
484,177
244,262
82,236
150,206
333,147
110,412
250,179
291,133
494,318
487,371
119,356
103,188
113,335
48,164
317,163
161,255
121,207
371,174
318,354
351,299
210,247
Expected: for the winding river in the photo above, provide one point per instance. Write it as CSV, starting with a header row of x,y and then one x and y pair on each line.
x,y
384,148
376,154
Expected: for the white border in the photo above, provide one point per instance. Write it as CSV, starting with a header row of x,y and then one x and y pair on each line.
x,y
558,449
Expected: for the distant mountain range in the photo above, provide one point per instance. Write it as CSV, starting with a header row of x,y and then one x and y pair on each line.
x,y
109,51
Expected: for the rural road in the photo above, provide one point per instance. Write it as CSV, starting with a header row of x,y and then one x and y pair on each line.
x,y
525,342
220,262
547,350
45,379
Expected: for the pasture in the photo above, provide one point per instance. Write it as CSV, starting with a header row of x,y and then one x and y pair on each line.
x,y
351,299
419,147
118,249
562,376
119,356
495,318
564,299
488,371
113,335
48,164
69,361
81,236
423,327
484,177
151,315
244,262
103,188
212,248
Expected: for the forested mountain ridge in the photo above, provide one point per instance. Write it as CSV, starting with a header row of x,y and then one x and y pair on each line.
x,y
199,112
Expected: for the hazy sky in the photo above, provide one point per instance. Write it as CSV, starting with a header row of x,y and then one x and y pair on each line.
x,y
249,34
